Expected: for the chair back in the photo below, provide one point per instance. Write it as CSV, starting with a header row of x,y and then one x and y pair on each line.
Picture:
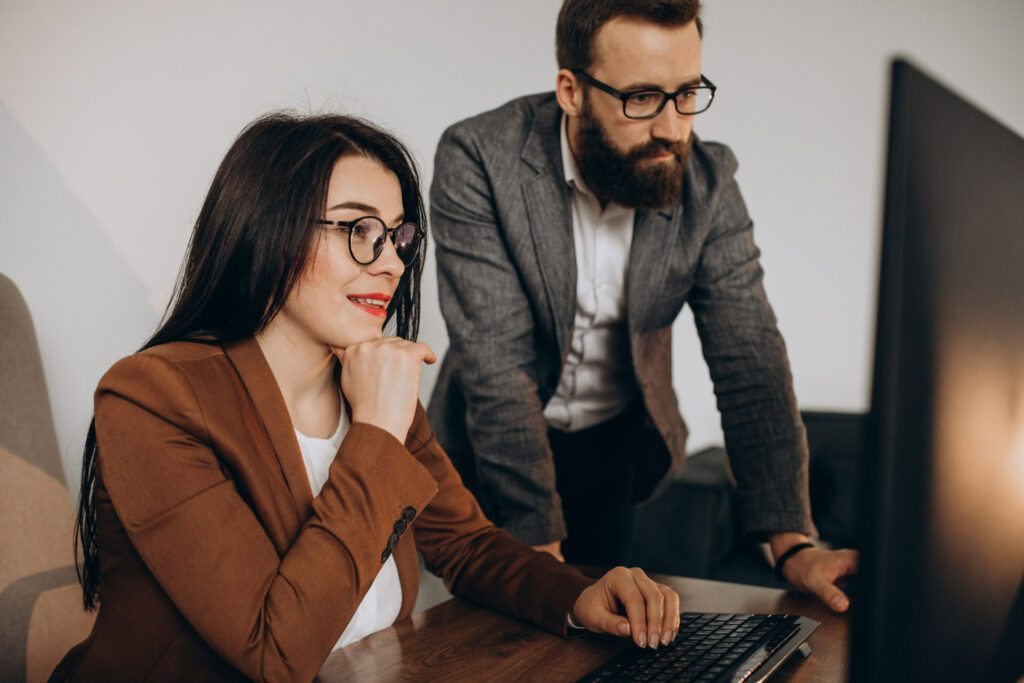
x,y
41,614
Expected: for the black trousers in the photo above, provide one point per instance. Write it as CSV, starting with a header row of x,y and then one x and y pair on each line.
x,y
595,471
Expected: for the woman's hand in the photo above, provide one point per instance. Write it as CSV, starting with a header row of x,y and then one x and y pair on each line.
x,y
381,378
652,609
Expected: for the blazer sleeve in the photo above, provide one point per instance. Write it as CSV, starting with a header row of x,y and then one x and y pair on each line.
x,y
747,359
491,329
480,562
272,617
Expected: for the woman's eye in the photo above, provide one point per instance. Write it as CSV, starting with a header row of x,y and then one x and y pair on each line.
x,y
362,230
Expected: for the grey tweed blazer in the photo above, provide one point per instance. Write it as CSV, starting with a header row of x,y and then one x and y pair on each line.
x,y
502,224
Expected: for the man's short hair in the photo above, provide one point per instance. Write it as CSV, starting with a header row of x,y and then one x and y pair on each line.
x,y
580,20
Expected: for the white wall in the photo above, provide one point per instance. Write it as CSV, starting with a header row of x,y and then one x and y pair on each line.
x,y
114,115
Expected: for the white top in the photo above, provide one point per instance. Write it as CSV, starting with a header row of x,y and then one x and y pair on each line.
x,y
380,605
597,381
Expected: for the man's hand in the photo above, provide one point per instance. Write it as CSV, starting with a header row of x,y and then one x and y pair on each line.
x,y
553,549
815,570
652,609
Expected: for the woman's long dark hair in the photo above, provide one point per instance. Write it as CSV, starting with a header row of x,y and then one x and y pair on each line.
x,y
249,246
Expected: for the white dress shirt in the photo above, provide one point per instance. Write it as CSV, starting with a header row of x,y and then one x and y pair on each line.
x,y
597,381
381,604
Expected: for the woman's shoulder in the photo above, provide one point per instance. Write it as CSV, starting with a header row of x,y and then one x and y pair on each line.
x,y
183,351
160,366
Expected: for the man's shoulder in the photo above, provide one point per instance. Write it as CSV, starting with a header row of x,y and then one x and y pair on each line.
x,y
521,110
505,127
711,165
713,158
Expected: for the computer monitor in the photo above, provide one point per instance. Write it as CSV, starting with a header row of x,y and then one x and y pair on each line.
x,y
939,590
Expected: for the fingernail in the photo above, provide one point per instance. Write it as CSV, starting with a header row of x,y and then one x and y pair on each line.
x,y
666,637
838,603
623,629
643,639
654,642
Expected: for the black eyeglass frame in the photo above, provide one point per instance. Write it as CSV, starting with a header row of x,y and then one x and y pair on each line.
x,y
624,96
389,233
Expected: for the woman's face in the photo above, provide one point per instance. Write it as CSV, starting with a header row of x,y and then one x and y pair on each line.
x,y
336,301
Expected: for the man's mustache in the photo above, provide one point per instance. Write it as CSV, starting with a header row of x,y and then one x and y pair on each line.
x,y
657,148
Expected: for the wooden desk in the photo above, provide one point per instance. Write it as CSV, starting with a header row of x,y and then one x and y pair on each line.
x,y
456,641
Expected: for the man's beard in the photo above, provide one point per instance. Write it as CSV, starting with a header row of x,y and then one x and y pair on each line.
x,y
629,178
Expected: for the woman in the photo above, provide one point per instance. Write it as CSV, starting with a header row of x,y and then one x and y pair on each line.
x,y
254,473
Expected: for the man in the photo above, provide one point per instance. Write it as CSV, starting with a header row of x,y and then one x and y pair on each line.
x,y
571,228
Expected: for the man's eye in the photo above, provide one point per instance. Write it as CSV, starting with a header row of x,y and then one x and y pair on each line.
x,y
642,97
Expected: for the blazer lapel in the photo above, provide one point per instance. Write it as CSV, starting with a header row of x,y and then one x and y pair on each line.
x,y
654,237
259,381
549,214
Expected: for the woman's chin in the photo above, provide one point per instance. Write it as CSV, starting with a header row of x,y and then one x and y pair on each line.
x,y
356,337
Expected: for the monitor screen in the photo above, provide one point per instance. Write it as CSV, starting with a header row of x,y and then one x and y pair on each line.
x,y
939,590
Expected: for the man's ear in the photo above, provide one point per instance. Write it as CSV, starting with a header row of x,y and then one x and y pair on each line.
x,y
569,92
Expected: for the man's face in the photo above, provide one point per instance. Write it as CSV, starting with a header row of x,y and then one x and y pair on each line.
x,y
637,162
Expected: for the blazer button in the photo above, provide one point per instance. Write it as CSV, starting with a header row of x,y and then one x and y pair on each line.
x,y
400,527
409,513
392,541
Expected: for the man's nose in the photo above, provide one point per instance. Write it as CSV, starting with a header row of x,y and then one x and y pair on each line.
x,y
669,125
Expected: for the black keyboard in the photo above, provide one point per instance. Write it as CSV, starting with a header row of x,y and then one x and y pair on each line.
x,y
709,647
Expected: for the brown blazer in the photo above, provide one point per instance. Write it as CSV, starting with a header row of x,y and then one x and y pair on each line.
x,y
218,562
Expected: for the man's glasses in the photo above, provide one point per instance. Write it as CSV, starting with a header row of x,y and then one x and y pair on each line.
x,y
648,102
366,237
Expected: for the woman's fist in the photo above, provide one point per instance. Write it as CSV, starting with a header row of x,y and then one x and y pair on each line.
x,y
380,379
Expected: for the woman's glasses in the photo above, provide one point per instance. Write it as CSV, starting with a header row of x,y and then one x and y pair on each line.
x,y
366,237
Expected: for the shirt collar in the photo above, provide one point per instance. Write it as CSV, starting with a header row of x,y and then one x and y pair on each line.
x,y
569,167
